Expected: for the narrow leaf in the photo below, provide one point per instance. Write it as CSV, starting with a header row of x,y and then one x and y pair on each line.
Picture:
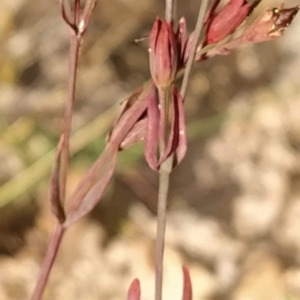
x,y
54,189
177,141
135,106
135,135
152,135
122,127
94,195
98,168
181,146
86,15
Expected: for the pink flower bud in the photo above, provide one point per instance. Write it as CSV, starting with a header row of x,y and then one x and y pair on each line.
x,y
163,53
227,20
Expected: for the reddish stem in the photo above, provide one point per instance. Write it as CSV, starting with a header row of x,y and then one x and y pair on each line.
x,y
48,262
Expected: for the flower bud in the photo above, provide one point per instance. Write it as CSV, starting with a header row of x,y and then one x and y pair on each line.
x,y
227,20
163,54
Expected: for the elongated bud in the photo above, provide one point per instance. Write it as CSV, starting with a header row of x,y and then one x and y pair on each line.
x,y
163,53
227,20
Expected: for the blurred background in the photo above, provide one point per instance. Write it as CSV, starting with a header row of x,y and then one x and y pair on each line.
x,y
234,211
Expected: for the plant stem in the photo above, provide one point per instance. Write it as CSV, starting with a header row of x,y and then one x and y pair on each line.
x,y
170,10
48,262
191,59
163,191
166,166
65,156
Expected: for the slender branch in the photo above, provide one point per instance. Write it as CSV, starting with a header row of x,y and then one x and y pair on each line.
x,y
164,174
163,191
48,262
192,54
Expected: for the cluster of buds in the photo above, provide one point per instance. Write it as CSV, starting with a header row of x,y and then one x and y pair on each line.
x,y
223,32
226,29
147,109
166,53
160,119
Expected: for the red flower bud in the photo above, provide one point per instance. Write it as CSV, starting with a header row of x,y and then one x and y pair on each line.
x,y
163,53
227,20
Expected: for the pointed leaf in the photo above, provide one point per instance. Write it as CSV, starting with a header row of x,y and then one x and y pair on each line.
x,y
187,284
86,15
135,135
124,124
182,138
94,195
99,169
134,292
134,109
182,42
177,142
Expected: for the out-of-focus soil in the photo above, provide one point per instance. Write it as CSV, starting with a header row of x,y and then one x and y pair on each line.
x,y
234,212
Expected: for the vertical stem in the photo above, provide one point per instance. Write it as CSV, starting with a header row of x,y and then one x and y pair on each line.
x,y
191,59
48,263
170,10
166,166
74,55
163,190
164,180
